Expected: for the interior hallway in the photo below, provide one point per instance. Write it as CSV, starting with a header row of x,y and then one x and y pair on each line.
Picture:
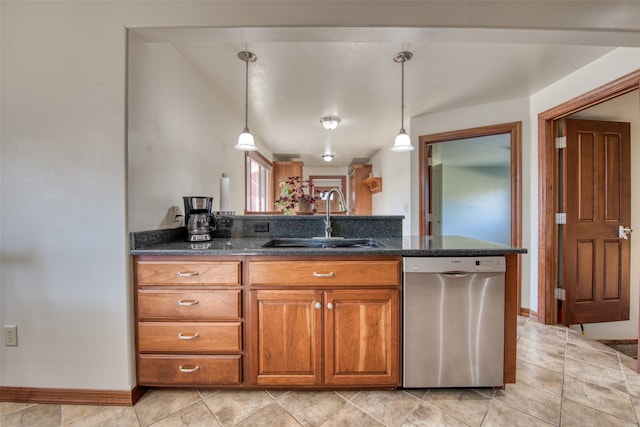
x,y
563,379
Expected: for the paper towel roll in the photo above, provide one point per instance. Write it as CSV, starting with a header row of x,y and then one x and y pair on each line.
x,y
224,192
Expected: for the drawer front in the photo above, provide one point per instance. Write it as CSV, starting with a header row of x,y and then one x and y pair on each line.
x,y
189,305
186,337
381,272
189,370
187,272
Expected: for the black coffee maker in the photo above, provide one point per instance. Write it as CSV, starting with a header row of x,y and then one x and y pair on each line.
x,y
199,218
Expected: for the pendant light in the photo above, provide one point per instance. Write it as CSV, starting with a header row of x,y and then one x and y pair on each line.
x,y
245,141
403,141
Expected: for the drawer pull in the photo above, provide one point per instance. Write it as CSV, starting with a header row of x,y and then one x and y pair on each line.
x,y
330,274
330,306
188,337
187,273
188,369
318,305
188,302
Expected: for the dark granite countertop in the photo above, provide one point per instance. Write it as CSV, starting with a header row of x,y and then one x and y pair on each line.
x,y
404,246
247,235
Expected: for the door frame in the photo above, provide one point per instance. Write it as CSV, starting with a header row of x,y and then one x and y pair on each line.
x,y
514,129
548,191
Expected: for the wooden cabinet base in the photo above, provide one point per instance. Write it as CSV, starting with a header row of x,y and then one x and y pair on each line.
x,y
159,370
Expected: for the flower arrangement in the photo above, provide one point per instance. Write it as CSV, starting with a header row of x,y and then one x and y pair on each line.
x,y
295,192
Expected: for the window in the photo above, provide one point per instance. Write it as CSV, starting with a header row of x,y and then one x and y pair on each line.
x,y
258,183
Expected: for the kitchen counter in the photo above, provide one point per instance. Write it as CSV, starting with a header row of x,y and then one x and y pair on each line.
x,y
403,246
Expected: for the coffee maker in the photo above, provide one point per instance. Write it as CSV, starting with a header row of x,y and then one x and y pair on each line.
x,y
199,218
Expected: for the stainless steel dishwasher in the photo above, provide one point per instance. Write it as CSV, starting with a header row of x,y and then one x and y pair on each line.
x,y
453,322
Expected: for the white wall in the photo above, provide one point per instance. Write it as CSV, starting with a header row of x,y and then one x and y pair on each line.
x,y
181,137
476,202
395,197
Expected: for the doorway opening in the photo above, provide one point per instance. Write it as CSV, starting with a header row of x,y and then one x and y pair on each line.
x,y
549,192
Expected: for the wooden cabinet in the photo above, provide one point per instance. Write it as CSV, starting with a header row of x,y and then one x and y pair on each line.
x,y
325,322
189,328
360,201
281,171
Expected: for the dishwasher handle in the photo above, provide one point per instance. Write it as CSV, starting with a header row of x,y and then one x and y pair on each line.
x,y
455,274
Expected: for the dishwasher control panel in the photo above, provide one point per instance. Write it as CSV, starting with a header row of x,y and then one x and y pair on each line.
x,y
454,264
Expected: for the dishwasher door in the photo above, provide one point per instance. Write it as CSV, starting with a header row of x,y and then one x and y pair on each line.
x,y
453,319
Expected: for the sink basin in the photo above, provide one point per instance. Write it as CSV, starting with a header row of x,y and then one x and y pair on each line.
x,y
323,243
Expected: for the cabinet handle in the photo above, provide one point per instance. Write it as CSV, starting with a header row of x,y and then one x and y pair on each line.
x,y
330,274
188,369
187,273
188,302
188,337
330,306
318,305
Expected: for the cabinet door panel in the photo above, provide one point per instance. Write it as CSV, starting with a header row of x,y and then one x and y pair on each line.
x,y
361,337
286,338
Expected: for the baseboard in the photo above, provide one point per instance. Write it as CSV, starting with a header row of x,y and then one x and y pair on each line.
x,y
71,396
527,312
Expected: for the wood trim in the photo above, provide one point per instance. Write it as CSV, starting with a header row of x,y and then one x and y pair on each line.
x,y
68,396
515,131
527,312
511,306
547,188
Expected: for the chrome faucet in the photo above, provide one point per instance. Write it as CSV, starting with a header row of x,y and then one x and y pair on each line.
x,y
342,206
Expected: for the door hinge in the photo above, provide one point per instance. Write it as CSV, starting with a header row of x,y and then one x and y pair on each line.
x,y
559,294
561,142
561,218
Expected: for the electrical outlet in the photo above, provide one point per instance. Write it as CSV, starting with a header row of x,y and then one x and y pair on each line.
x,y
261,227
10,335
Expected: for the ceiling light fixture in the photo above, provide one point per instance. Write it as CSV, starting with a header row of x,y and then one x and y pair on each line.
x,y
328,157
330,122
403,141
245,141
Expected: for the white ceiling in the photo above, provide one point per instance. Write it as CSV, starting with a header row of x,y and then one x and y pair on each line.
x,y
303,74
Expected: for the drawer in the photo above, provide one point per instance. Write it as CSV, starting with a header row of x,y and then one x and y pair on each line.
x,y
189,305
189,370
186,337
380,272
187,272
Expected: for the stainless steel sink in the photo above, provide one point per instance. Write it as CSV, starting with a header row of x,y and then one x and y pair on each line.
x,y
323,243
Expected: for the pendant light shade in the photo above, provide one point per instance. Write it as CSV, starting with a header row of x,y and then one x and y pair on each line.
x,y
245,141
403,141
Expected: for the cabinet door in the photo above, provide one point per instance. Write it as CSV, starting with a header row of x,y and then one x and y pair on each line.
x,y
286,337
362,337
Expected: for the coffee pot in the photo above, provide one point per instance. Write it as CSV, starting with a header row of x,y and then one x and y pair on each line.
x,y
199,218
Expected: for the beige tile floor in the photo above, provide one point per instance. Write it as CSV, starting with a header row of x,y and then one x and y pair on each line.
x,y
563,379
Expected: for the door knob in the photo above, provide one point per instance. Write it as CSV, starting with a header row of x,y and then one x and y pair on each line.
x,y
318,305
624,232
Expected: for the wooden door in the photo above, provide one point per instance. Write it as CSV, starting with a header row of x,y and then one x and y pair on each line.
x,y
598,201
287,338
362,337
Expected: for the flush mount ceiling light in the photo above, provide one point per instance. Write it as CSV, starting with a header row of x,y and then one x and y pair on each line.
x,y
403,142
328,157
245,141
330,122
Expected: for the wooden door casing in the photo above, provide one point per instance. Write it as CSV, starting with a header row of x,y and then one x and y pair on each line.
x,y
596,263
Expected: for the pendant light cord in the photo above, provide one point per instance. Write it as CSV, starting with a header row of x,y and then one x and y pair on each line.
x,y
246,97
402,102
